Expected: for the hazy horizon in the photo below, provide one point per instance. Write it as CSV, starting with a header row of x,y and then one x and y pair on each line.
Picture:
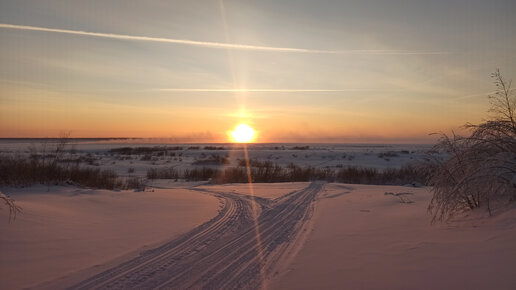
x,y
296,71
184,141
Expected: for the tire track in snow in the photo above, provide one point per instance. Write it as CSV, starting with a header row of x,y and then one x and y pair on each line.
x,y
223,253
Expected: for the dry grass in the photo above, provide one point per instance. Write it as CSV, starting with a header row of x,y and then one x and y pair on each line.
x,y
18,171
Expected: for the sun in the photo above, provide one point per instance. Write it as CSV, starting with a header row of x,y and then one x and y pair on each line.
x,y
243,133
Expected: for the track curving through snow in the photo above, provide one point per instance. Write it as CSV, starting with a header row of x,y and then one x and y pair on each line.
x,y
223,253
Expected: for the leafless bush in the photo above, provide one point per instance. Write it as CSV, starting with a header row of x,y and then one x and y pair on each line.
x,y
135,183
198,174
9,203
49,155
481,169
162,173
270,172
391,176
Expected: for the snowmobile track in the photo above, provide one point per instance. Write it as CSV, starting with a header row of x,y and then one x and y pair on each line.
x,y
223,253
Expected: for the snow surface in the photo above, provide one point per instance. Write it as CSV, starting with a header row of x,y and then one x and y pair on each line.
x,y
359,237
364,239
65,229
265,190
335,156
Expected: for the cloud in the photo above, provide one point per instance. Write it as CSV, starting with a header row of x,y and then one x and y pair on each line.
x,y
220,45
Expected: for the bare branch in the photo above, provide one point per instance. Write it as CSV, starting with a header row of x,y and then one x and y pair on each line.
x,y
13,208
481,168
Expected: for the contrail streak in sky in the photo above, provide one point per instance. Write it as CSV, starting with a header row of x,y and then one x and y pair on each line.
x,y
266,90
218,44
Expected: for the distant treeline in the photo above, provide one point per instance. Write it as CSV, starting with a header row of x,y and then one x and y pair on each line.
x,y
266,171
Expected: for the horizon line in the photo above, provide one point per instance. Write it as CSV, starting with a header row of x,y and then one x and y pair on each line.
x,y
222,142
184,140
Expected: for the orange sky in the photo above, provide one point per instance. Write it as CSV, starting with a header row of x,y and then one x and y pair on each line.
x,y
349,71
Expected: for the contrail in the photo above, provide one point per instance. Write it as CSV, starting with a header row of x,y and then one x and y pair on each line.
x,y
266,90
218,44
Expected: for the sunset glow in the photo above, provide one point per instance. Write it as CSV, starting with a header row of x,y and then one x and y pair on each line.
x,y
243,134
258,144
184,72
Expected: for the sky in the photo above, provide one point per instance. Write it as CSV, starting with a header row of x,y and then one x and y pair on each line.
x,y
295,71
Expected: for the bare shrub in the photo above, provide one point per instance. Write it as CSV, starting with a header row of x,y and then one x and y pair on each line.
x,y
198,174
391,176
9,203
481,168
231,175
93,177
135,183
162,173
270,172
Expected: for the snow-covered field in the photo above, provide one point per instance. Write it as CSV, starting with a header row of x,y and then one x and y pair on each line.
x,y
63,230
362,238
306,235
107,155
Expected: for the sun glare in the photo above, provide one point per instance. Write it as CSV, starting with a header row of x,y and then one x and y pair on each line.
x,y
243,134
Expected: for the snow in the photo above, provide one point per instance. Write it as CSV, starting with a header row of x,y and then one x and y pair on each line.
x,y
265,190
359,237
333,156
63,230
364,239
